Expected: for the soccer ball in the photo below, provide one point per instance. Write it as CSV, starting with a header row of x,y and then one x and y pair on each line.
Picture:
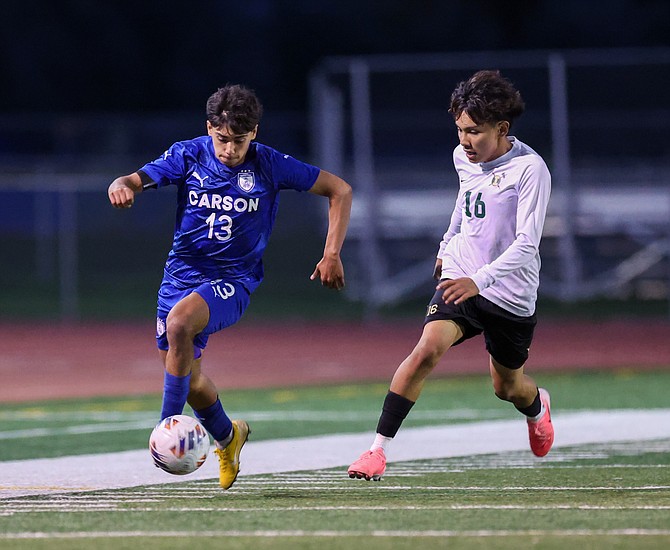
x,y
179,444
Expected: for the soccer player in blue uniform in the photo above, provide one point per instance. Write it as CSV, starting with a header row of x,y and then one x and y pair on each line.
x,y
227,197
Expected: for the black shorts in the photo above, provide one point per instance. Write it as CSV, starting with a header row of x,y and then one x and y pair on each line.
x,y
508,336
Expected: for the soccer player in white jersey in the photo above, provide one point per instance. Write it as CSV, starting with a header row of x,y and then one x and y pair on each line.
x,y
227,198
487,265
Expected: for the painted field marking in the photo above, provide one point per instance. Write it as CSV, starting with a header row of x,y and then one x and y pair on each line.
x,y
70,508
121,422
134,468
340,534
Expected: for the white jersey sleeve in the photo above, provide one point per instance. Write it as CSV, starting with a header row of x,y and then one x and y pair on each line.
x,y
453,229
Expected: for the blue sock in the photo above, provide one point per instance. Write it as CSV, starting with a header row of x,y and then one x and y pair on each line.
x,y
175,392
215,420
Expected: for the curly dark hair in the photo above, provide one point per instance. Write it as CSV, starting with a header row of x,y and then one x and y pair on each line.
x,y
487,97
236,107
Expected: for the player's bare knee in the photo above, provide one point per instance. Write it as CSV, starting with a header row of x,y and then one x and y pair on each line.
x,y
178,330
426,355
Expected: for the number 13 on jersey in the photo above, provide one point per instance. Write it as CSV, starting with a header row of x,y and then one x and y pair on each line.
x,y
220,228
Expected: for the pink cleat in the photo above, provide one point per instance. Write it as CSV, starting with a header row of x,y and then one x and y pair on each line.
x,y
371,465
541,433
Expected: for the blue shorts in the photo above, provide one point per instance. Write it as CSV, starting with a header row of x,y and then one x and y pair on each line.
x,y
227,301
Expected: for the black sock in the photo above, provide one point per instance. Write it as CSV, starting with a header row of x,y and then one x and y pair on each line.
x,y
396,408
533,409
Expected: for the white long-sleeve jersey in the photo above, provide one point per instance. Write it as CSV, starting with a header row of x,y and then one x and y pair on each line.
x,y
496,226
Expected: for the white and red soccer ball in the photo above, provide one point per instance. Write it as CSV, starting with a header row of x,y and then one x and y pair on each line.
x,y
179,444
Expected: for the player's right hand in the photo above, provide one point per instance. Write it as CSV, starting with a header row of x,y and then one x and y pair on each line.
x,y
457,290
121,196
123,189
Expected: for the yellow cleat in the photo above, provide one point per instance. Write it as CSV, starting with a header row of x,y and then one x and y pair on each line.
x,y
229,458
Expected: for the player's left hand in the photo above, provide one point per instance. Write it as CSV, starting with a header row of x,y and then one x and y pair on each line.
x,y
331,273
457,290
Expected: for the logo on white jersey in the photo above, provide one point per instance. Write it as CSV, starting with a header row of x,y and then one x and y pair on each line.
x,y
246,181
199,178
496,179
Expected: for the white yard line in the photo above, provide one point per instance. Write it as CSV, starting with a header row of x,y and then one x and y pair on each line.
x,y
134,468
341,534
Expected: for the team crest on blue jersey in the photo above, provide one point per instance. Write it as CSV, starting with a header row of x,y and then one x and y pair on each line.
x,y
160,326
246,181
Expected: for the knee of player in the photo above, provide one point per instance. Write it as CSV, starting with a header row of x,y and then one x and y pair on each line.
x,y
179,330
426,356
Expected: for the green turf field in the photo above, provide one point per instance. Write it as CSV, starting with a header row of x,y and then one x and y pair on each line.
x,y
605,495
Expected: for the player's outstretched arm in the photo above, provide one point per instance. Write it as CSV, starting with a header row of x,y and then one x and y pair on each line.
x,y
330,269
123,189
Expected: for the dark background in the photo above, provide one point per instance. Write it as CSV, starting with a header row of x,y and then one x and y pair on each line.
x,y
86,55
93,89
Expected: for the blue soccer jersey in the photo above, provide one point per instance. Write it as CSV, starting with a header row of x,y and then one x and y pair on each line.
x,y
224,215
